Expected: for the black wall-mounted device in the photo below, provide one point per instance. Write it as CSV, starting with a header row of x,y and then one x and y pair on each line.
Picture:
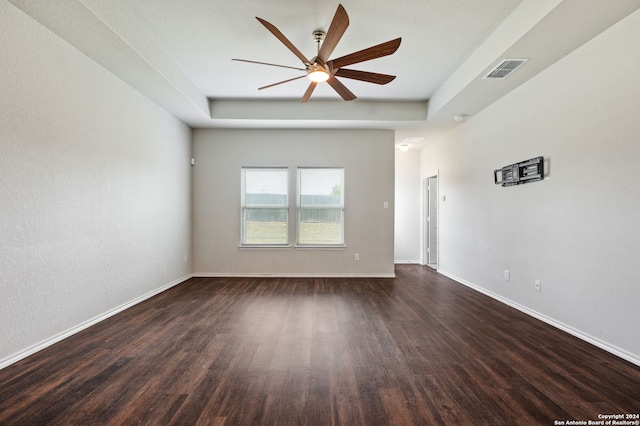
x,y
523,172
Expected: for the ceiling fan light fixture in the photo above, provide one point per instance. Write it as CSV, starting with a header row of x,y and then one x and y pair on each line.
x,y
317,74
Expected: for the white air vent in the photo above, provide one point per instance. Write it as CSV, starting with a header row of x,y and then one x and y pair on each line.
x,y
506,67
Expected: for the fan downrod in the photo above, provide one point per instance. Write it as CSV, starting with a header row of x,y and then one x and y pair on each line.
x,y
318,37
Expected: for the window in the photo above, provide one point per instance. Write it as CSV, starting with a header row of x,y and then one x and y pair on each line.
x,y
265,206
320,206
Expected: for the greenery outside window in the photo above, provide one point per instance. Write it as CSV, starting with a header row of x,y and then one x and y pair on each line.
x,y
265,206
320,206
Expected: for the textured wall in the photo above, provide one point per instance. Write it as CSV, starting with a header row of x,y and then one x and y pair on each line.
x,y
577,231
94,189
368,159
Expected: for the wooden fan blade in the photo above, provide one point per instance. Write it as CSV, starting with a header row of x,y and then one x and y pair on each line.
x,y
342,90
336,29
276,32
369,77
308,93
377,51
272,65
281,82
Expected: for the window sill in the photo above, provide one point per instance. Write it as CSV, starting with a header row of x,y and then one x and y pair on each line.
x,y
264,247
289,247
320,247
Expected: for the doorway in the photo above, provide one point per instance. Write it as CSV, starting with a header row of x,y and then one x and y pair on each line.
x,y
430,237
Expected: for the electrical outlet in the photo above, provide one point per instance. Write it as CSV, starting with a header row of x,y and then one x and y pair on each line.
x,y
537,285
185,258
356,257
507,275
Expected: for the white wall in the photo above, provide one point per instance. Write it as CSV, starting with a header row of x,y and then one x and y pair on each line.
x,y
576,231
368,159
407,214
94,190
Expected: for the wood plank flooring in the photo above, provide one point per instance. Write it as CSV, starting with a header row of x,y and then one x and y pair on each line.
x,y
416,350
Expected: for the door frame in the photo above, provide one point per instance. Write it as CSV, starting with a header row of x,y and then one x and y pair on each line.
x,y
424,240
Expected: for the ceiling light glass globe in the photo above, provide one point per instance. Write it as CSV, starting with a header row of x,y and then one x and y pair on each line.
x,y
317,73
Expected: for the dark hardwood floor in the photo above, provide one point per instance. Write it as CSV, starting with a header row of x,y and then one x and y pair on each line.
x,y
419,349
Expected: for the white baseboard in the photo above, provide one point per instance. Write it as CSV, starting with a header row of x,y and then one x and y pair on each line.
x,y
632,358
11,359
407,262
292,275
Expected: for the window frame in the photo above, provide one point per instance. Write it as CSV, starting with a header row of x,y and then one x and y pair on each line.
x,y
244,207
300,208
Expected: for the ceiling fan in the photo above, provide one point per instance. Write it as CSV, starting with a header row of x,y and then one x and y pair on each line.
x,y
320,68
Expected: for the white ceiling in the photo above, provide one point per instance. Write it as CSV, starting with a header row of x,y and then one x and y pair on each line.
x,y
178,53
